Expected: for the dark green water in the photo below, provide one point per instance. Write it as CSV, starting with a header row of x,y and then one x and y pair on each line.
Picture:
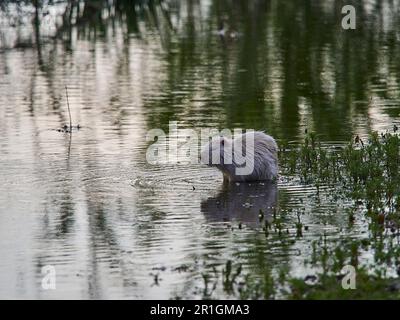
x,y
114,226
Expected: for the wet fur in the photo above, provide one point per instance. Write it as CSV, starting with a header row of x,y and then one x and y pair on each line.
x,y
265,156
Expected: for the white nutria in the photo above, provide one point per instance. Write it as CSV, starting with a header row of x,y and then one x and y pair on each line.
x,y
252,156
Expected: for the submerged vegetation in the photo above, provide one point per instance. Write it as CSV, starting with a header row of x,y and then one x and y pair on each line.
x,y
372,282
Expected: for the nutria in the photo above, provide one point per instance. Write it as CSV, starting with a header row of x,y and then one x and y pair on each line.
x,y
252,156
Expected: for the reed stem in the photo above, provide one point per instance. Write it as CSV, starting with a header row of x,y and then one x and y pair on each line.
x,y
69,111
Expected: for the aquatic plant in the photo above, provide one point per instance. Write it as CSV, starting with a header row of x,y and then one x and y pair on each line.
x,y
365,172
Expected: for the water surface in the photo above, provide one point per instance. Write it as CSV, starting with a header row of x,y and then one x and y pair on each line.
x,y
115,226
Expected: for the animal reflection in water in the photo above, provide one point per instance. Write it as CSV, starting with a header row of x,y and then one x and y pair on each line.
x,y
242,202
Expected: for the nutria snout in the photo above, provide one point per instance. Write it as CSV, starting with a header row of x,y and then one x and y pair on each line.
x,y
252,156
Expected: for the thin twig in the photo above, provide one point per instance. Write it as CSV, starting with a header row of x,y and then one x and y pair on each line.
x,y
69,111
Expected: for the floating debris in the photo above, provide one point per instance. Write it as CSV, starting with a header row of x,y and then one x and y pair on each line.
x,y
66,129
